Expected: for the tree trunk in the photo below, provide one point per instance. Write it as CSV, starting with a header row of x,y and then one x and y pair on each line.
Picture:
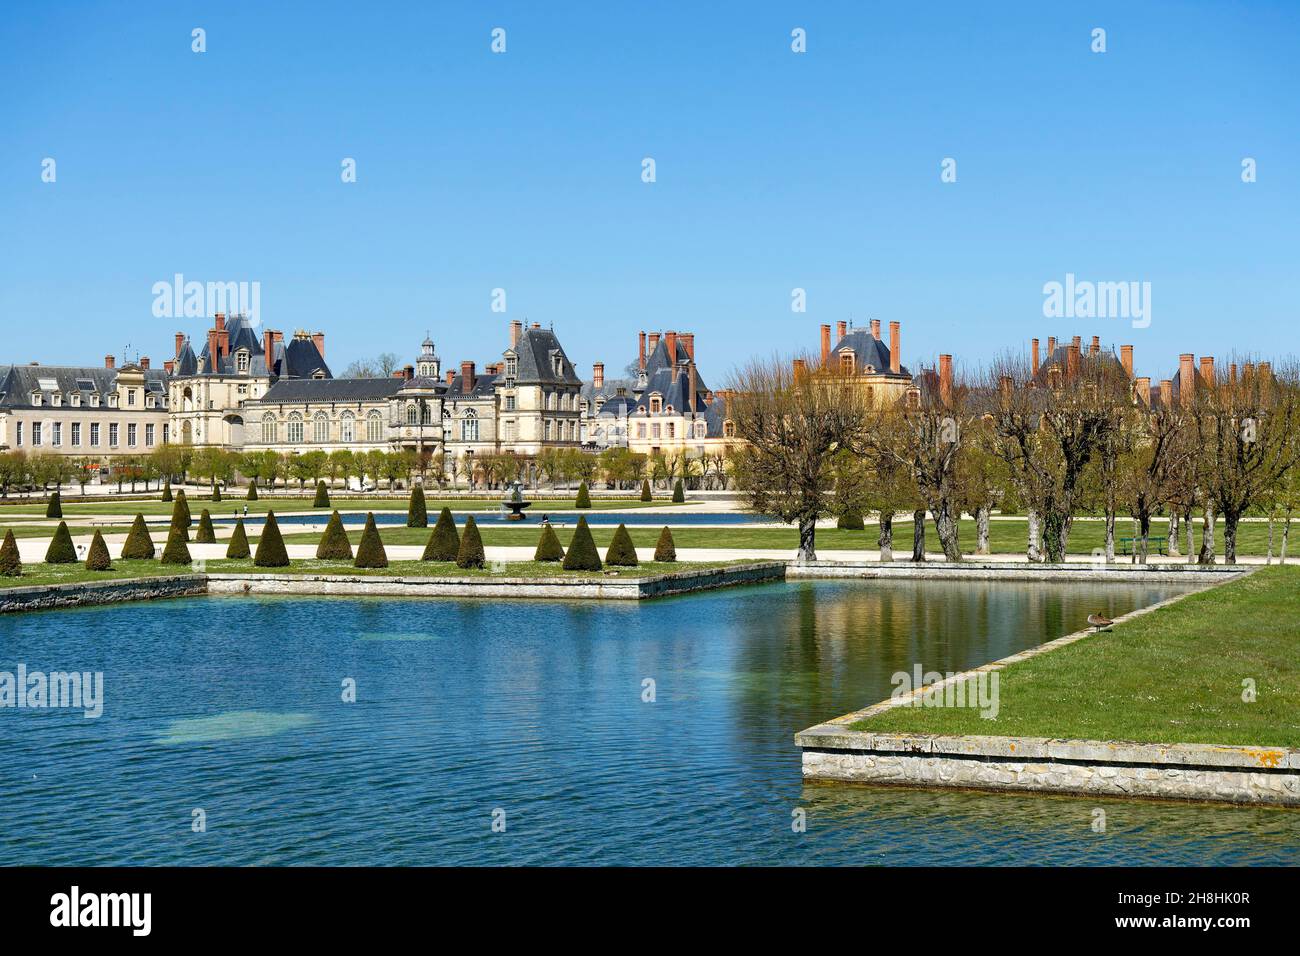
x,y
918,535
886,539
1173,533
807,540
1054,537
1206,555
1034,549
1286,534
982,529
1143,532
1110,535
1230,519
1269,558
945,525
1189,531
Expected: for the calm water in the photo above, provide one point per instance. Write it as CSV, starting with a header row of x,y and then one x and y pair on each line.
x,y
233,705
534,518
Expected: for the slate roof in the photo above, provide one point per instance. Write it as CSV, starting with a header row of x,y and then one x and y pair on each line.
x,y
535,349
484,387
294,358
867,351
17,382
324,390
669,380
1061,357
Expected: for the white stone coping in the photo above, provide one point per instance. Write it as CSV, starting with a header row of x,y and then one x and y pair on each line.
x,y
1023,571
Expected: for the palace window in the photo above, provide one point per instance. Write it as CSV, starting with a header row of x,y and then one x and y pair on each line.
x,y
76,434
640,429
558,364
320,427
374,427
510,403
130,435
269,429
130,397
412,414
241,361
426,414
18,433
348,428
94,434
672,429
547,429
699,429
656,432
75,399
58,434
469,427
148,436
512,366
728,429
295,428
846,363
656,404
112,435
37,433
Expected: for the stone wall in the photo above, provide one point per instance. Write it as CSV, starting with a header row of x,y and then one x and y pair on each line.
x,y
44,597
1023,571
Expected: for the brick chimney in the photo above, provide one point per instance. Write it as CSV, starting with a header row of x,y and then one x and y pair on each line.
x,y
180,343
1005,386
598,375
826,344
515,328
1051,346
169,367
1126,359
408,373
110,362
1077,342
451,375
537,325
399,373
670,343
945,378
895,348
688,343
1207,369
841,329
1265,370
640,352
1033,357
1232,373
467,377
654,342
799,368
1072,359
318,339
1095,348
693,386
1142,386
875,329
1167,392
144,363
1186,378
214,350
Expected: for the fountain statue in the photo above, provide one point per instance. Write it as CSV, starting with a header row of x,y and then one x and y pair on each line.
x,y
516,503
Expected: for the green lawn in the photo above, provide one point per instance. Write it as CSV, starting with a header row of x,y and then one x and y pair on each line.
x,y
230,505
47,531
34,574
513,569
1172,676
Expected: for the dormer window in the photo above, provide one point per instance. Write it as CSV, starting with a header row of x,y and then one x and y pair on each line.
x,y
319,373
557,362
94,401
656,404
112,400
846,363
56,400
36,398
512,366
241,360
75,400
148,401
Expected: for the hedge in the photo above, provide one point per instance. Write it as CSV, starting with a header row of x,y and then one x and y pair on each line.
x,y
645,490
271,552
61,549
584,497
97,558
181,510
679,492
205,533
11,565
167,491
621,553
238,547
416,515
665,548
470,554
334,544
444,542
216,491
139,544
582,554
252,490
370,552
549,547
176,551
55,508
322,499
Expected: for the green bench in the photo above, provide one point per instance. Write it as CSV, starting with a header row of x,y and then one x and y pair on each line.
x,y
1128,545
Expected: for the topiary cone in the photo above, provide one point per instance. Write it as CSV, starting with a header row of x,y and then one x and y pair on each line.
x,y
216,491
444,542
271,552
97,558
205,534
679,492
470,554
252,490
238,547
176,551
416,515
55,508
61,549
322,499
334,544
139,545
548,548
584,497
621,553
181,510
167,491
645,491
665,548
582,554
370,552
11,564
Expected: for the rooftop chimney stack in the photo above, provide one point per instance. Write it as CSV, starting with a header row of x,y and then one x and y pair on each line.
x,y
1207,369
875,329
799,368
318,339
220,321
268,346
109,361
1096,345
168,367
1142,386
1033,357
826,345
451,375
1051,346
1167,392
515,328
598,375
945,379
144,363
1072,359
654,342
1005,385
180,343
641,351
670,343
1186,378
895,348
842,329
688,343
467,377
1126,359
693,386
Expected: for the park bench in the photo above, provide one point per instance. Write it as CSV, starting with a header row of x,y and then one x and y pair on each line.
x,y
1155,543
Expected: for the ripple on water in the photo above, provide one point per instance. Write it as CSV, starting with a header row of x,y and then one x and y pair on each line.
x,y
234,725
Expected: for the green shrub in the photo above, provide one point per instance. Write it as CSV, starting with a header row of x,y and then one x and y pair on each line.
x,y
61,549
850,521
55,508
181,510
470,554
665,548
584,497
645,490
444,542
216,491
238,548
621,553
370,552
322,499
139,545
167,491
548,548
97,558
11,565
334,544
582,554
175,551
271,552
252,490
679,492
416,516
205,533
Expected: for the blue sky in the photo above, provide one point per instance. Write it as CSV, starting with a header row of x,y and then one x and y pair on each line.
x,y
775,171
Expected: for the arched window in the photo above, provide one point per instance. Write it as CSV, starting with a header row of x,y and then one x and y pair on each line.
x,y
374,427
426,414
347,428
269,429
320,431
469,426
412,414
295,428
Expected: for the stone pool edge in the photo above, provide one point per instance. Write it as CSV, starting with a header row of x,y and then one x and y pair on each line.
x,y
44,597
1201,772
